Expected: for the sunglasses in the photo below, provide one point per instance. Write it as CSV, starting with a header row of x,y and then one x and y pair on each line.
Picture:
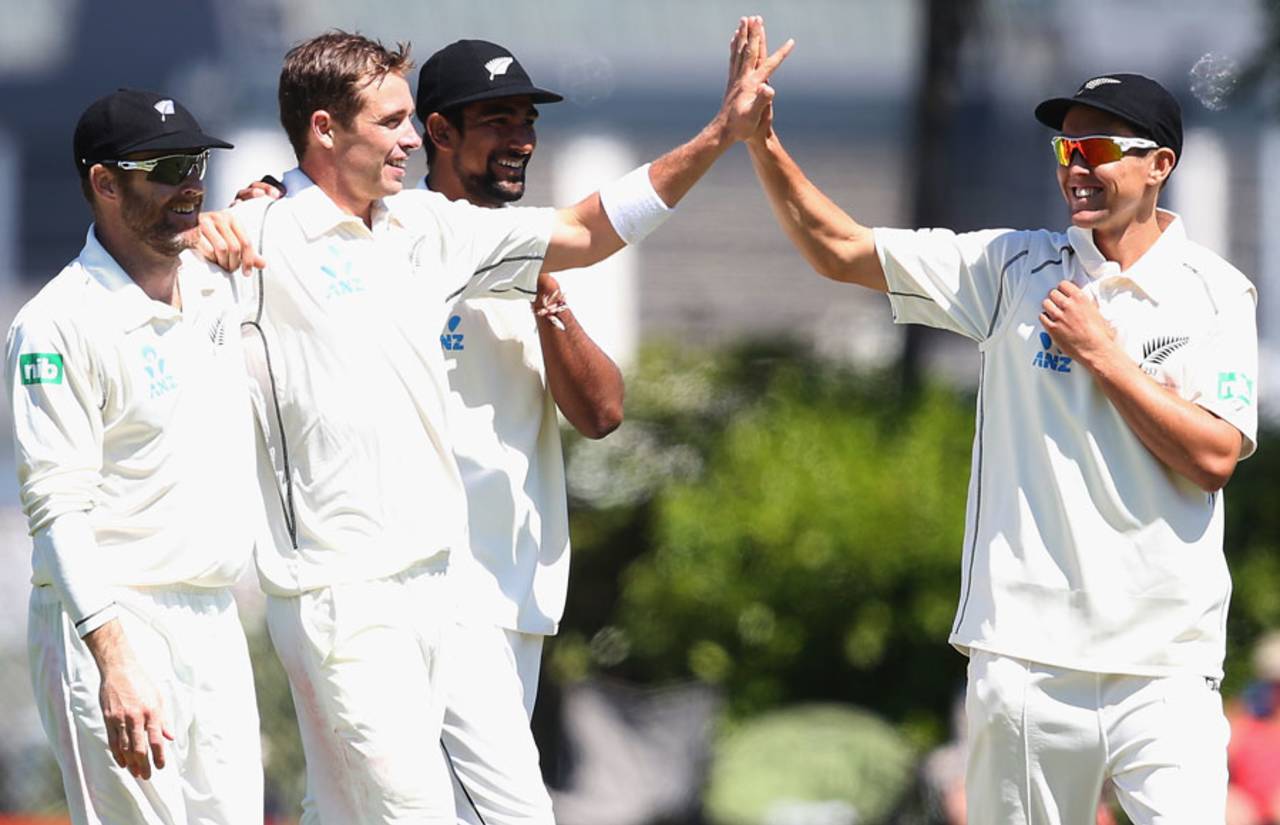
x,y
1097,149
170,170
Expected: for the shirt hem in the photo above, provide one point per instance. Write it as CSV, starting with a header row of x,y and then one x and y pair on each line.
x,y
1085,665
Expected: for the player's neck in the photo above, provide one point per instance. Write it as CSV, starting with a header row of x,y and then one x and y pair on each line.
x,y
154,273
1127,244
451,186
327,177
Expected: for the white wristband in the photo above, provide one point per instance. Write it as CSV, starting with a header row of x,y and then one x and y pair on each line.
x,y
633,206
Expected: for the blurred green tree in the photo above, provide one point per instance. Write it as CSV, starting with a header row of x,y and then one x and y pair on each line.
x,y
790,530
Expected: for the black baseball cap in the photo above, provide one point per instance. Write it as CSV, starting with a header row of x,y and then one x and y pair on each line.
x,y
470,70
1140,100
128,120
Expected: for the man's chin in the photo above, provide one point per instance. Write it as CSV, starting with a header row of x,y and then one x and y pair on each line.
x,y
507,191
1088,218
171,244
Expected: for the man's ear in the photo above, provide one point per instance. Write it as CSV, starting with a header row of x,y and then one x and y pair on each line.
x,y
322,124
1162,166
439,131
104,183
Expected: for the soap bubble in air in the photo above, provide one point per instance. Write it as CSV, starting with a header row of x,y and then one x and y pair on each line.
x,y
1213,79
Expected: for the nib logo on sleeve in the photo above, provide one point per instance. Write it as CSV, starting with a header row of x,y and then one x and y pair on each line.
x,y
40,368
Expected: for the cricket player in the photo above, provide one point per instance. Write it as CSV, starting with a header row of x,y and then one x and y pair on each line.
x,y
1116,395
511,365
135,457
367,502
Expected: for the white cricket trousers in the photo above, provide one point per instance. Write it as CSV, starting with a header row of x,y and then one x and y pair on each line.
x,y
365,665
493,682
191,645
1043,740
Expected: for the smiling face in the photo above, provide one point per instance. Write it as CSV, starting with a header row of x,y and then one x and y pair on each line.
x,y
369,153
163,217
488,157
1110,197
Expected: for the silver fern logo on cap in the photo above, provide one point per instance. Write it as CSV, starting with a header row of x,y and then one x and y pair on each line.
x,y
498,65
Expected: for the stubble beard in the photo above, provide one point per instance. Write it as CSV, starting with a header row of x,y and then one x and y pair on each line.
x,y
147,221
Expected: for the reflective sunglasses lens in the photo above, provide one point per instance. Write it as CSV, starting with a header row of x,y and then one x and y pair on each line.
x,y
1062,151
174,170
1095,151
1098,151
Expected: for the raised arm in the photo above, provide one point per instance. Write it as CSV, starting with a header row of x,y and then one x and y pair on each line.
x,y
834,244
603,222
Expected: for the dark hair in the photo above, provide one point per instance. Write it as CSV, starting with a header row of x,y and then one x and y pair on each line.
x,y
328,72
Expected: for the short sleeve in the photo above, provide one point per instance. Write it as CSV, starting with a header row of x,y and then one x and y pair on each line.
x,y
1224,370
493,252
945,279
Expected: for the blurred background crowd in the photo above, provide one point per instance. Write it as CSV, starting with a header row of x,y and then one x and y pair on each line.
x,y
766,553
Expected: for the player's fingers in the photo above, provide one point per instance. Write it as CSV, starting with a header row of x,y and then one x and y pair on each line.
x,y
1068,288
1051,309
737,46
116,733
136,752
753,39
214,241
249,258
155,740
775,59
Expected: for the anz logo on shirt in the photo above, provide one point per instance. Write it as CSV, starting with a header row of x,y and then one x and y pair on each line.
x,y
161,382
1050,357
338,275
452,340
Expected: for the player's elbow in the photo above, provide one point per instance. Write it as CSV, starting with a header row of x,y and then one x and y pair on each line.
x,y
604,419
1212,476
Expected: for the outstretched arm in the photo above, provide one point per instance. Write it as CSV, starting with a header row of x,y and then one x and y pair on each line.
x,y
834,244
585,234
584,381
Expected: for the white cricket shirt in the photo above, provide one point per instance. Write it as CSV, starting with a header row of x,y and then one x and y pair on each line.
x,y
136,413
506,436
1081,549
343,342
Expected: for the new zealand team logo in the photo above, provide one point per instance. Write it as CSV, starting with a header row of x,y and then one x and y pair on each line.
x,y
1156,351
341,280
451,340
160,380
1050,357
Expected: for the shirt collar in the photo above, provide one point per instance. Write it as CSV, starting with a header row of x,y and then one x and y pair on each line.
x,y
318,215
130,306
1153,273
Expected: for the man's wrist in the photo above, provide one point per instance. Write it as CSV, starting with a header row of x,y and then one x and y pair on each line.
x,y
717,133
1105,361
